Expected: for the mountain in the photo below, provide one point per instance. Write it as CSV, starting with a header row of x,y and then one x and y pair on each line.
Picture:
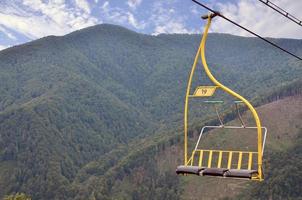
x,y
138,176
74,109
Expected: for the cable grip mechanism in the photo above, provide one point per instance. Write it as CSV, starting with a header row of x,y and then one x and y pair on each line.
x,y
211,15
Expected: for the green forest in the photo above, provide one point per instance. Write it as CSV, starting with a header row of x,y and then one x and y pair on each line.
x,y
97,113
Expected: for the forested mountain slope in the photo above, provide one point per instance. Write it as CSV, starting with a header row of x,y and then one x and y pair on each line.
x,y
150,171
69,102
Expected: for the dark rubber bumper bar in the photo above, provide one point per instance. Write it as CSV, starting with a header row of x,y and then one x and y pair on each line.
x,y
182,169
240,173
223,172
214,171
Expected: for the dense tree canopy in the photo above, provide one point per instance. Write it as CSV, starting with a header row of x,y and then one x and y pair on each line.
x,y
73,108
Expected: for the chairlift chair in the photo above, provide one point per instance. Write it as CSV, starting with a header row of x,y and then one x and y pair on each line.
x,y
220,162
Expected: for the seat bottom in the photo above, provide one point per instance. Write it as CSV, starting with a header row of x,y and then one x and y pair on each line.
x,y
241,173
182,169
222,172
213,171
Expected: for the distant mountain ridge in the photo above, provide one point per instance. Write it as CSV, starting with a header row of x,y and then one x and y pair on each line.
x,y
67,101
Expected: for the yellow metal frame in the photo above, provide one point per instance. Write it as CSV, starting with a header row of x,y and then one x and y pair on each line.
x,y
201,54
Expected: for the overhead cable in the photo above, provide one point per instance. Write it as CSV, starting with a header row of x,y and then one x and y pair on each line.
x,y
281,11
251,32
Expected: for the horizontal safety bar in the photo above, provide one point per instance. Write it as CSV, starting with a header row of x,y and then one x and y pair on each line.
x,y
212,101
217,101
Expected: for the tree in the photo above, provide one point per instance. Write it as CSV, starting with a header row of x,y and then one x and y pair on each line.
x,y
17,196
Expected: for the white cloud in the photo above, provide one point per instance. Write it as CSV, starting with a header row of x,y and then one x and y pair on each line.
x,y
121,16
84,5
134,22
166,21
105,7
134,3
194,10
3,47
7,33
260,19
38,18
171,27
31,27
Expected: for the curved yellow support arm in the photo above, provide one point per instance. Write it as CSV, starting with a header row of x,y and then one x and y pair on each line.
x,y
201,53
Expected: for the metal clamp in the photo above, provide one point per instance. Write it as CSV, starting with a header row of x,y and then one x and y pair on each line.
x,y
211,15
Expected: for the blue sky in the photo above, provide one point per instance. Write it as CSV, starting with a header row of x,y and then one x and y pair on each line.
x,y
25,20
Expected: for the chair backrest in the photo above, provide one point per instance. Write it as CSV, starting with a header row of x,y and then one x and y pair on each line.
x,y
224,159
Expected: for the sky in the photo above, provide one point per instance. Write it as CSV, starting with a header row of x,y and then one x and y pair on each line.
x,y
26,20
